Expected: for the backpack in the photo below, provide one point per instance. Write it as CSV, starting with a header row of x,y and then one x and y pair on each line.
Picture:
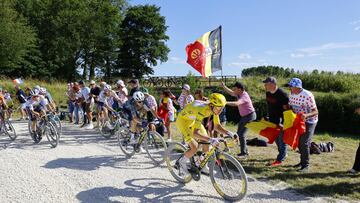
x,y
327,147
314,148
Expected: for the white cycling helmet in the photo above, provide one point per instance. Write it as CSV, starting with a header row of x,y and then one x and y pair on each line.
x,y
138,96
42,90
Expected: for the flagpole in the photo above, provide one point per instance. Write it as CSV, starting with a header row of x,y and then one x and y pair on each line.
x,y
221,51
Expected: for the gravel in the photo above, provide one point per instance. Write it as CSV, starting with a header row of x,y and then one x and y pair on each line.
x,y
86,167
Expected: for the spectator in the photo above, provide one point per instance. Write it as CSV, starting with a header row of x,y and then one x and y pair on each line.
x,y
21,96
123,93
77,103
166,111
277,102
303,101
94,93
87,106
199,95
151,103
356,168
71,100
134,86
185,97
246,111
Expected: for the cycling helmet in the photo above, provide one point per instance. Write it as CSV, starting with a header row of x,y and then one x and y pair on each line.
x,y
42,90
217,99
138,96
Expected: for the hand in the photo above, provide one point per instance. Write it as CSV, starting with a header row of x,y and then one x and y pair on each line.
x,y
222,84
357,110
303,116
214,141
232,135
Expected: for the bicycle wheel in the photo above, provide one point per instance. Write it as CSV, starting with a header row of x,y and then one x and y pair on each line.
x,y
51,134
155,146
105,131
123,135
57,124
228,177
172,156
9,130
35,137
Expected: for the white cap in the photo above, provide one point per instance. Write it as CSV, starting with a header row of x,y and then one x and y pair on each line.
x,y
121,83
186,87
107,87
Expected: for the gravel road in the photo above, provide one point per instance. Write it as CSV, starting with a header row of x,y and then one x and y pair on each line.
x,y
88,168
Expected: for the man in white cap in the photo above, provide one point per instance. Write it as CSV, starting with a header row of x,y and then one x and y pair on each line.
x,y
185,97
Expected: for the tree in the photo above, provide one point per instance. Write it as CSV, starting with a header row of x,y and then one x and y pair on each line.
x,y
143,37
16,40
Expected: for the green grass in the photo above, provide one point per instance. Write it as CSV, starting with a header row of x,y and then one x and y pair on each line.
x,y
328,171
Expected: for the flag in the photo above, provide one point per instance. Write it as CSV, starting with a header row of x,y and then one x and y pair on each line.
x,y
294,127
264,128
18,81
205,53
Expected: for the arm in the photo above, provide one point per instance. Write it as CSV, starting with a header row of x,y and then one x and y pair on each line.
x,y
313,112
233,103
227,90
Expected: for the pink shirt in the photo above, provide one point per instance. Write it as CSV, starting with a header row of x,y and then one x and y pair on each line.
x,y
246,107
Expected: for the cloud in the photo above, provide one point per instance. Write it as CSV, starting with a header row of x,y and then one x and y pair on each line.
x,y
355,22
294,55
244,56
246,65
357,28
177,60
318,50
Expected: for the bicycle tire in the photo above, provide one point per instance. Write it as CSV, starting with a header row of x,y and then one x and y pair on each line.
x,y
58,124
105,131
173,153
123,135
10,130
225,163
155,147
52,134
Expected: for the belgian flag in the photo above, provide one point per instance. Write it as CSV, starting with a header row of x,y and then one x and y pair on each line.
x,y
205,53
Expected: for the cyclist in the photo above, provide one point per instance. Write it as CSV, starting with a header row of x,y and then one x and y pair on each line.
x,y
137,109
36,107
49,106
189,122
105,102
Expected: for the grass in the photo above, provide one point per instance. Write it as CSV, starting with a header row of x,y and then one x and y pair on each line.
x,y
327,176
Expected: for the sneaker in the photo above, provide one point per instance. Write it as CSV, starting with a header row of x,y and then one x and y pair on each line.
x,y
183,166
83,125
304,169
205,170
132,139
353,171
276,163
243,155
168,140
89,126
108,125
297,165
142,150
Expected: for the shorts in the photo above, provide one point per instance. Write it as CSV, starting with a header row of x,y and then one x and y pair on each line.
x,y
100,106
89,107
187,128
38,109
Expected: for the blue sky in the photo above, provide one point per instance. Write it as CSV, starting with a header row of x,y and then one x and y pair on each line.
x,y
304,35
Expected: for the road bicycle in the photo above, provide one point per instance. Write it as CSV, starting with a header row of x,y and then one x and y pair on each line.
x,y
6,127
226,173
154,143
44,126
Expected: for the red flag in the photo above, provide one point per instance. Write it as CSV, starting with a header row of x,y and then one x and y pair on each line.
x,y
196,56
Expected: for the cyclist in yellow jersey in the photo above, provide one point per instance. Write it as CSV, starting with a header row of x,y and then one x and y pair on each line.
x,y
189,122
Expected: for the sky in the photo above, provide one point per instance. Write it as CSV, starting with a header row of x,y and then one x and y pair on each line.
x,y
304,35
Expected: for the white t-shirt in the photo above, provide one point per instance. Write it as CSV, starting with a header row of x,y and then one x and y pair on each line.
x,y
303,102
85,91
